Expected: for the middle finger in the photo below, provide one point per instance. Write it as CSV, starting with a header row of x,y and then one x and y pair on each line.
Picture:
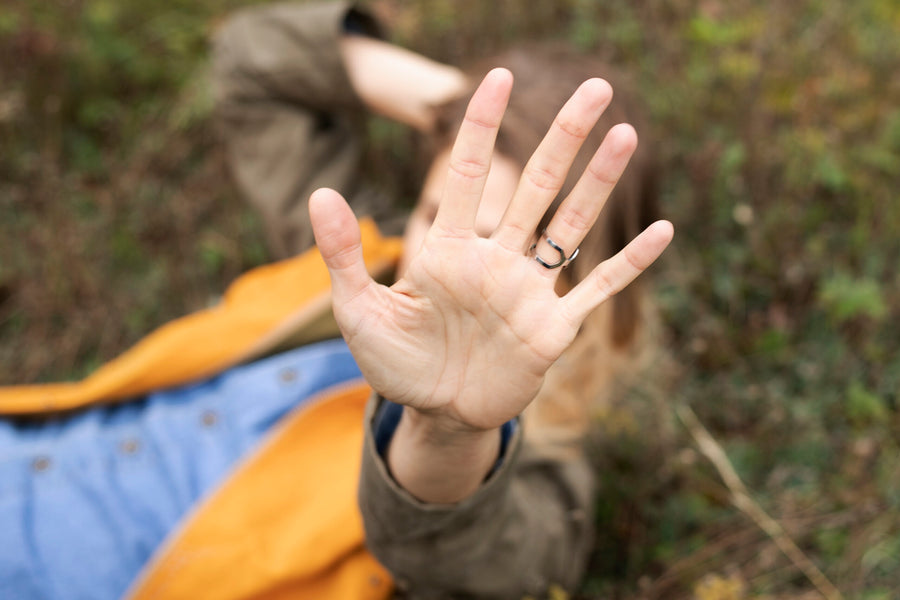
x,y
470,157
546,171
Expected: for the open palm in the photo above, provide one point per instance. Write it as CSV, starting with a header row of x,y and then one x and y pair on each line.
x,y
472,327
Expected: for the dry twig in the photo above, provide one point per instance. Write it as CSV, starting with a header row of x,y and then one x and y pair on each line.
x,y
742,500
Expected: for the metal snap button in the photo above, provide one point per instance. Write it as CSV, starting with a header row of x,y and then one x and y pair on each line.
x,y
130,446
41,463
288,375
209,418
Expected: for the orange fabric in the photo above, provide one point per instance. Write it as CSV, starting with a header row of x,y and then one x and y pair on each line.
x,y
254,307
285,524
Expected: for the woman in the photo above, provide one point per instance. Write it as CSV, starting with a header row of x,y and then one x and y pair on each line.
x,y
465,338
238,481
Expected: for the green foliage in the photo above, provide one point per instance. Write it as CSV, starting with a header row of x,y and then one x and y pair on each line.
x,y
847,298
883,557
108,172
864,407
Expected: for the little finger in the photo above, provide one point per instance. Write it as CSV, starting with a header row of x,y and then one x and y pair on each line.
x,y
614,274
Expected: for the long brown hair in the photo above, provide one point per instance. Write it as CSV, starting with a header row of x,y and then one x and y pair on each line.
x,y
545,76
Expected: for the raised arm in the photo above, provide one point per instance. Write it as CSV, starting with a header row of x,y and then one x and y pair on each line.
x,y
291,82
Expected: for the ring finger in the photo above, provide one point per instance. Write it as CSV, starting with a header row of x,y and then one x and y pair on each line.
x,y
578,212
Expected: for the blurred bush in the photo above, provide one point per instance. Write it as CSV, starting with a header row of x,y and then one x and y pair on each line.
x,y
114,214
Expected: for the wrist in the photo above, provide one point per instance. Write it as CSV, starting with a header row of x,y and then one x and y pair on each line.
x,y
440,460
442,429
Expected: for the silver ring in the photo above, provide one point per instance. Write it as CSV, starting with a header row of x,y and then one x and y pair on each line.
x,y
563,260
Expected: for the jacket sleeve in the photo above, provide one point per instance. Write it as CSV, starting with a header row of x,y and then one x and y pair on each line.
x,y
288,113
528,527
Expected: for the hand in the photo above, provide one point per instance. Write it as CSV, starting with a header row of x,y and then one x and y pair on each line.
x,y
468,333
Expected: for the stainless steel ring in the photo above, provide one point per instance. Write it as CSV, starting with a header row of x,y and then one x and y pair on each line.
x,y
563,261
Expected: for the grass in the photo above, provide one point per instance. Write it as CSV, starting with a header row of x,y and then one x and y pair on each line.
x,y
778,128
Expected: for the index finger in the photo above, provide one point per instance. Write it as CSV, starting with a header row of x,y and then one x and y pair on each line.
x,y
470,158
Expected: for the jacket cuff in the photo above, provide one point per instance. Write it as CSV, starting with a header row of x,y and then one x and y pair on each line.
x,y
390,511
388,414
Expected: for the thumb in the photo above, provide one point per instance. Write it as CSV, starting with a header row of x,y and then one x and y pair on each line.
x,y
339,241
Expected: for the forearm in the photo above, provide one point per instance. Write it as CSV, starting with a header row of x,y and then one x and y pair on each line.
x,y
397,83
440,463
